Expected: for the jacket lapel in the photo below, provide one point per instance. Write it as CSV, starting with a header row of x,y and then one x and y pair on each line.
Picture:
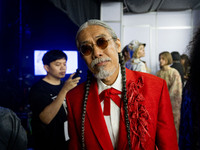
x,y
122,139
95,115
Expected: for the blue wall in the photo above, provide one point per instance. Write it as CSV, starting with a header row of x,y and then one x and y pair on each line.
x,y
43,27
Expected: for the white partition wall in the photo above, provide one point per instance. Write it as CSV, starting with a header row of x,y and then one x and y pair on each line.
x,y
112,13
161,31
196,19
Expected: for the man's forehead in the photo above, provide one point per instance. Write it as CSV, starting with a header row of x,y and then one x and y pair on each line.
x,y
94,31
59,60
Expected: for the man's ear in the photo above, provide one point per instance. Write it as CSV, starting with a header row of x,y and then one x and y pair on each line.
x,y
46,67
118,43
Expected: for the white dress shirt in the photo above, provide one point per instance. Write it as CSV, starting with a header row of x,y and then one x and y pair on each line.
x,y
112,121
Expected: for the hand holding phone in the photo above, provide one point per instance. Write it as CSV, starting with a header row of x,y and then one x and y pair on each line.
x,y
77,74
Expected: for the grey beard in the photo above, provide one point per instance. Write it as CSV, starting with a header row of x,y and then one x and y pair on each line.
x,y
102,74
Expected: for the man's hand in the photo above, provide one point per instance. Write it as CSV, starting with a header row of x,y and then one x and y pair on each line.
x,y
71,83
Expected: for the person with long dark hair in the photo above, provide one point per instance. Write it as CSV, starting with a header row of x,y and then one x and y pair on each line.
x,y
117,108
190,109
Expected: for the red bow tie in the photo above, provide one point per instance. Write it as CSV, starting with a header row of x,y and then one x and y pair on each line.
x,y
108,94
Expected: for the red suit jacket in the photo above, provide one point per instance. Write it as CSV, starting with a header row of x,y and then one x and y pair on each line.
x,y
150,115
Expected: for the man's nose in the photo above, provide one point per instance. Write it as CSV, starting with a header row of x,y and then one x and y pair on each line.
x,y
97,52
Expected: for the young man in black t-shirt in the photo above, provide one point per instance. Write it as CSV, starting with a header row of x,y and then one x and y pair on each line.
x,y
47,99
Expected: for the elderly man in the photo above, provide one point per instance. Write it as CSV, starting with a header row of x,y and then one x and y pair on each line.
x,y
117,108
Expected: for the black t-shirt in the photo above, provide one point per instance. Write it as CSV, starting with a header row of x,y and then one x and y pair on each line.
x,y
49,136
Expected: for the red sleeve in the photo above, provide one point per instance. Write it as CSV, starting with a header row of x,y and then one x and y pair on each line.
x,y
166,133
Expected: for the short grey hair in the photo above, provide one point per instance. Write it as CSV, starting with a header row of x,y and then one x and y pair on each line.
x,y
95,22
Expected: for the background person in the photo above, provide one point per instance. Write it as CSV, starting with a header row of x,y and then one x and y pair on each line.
x,y
138,52
12,134
174,84
47,103
185,61
177,64
116,108
127,57
190,109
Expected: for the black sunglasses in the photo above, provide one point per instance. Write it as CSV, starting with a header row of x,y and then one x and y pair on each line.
x,y
86,49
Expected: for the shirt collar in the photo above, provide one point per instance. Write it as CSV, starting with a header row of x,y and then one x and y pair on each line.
x,y
136,59
116,85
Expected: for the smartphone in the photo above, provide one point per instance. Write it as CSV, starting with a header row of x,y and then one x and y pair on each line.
x,y
77,74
